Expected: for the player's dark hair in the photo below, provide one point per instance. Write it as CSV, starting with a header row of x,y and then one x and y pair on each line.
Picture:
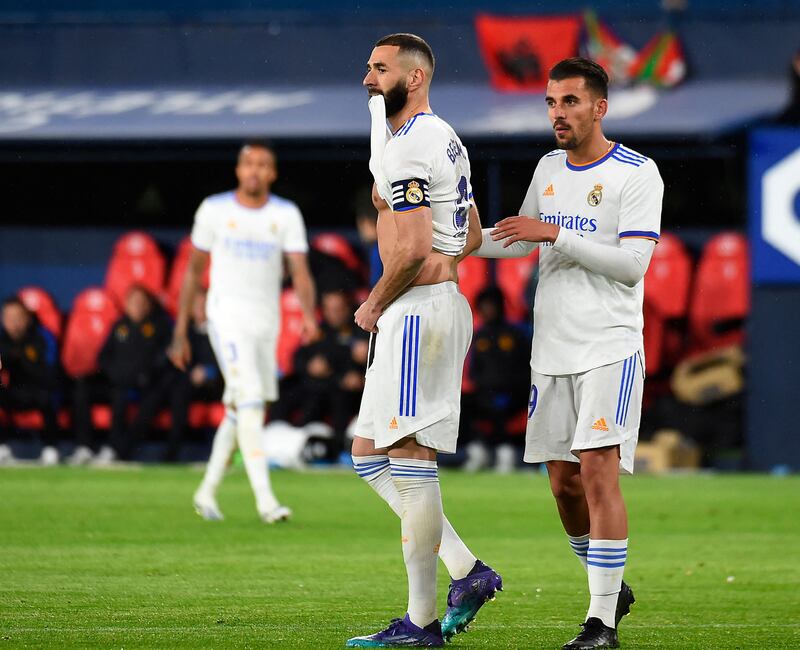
x,y
592,73
14,300
410,43
259,144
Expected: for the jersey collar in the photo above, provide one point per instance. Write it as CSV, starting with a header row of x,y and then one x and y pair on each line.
x,y
593,163
406,126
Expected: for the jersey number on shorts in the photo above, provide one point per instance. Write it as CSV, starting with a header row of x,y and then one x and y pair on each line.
x,y
532,401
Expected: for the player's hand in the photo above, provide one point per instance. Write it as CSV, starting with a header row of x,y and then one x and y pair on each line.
x,y
367,316
514,229
310,330
180,351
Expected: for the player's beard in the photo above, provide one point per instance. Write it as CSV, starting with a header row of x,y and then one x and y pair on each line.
x,y
396,98
571,142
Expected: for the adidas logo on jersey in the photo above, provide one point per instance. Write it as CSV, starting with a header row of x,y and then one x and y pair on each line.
x,y
549,191
393,423
600,425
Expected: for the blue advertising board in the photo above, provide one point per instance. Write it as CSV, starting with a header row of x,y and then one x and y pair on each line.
x,y
774,175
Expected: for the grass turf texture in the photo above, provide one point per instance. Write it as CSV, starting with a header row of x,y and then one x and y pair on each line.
x,y
92,558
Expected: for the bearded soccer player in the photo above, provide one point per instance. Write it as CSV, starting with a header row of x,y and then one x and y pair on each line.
x,y
594,206
247,232
421,326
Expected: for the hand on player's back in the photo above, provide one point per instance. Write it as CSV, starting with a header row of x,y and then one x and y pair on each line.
x,y
514,229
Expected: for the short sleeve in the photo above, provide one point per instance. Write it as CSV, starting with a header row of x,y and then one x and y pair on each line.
x,y
640,204
203,230
295,239
409,170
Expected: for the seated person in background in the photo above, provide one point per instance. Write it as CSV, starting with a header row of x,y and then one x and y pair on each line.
x,y
29,376
500,371
134,360
367,225
203,373
328,374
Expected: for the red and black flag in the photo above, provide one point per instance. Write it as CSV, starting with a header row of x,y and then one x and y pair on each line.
x,y
519,52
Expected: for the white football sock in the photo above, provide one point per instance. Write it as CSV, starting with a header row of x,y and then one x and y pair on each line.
x,y
606,560
249,431
374,469
221,450
580,546
417,482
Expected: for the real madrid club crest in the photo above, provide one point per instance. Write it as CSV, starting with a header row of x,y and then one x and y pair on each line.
x,y
595,196
413,193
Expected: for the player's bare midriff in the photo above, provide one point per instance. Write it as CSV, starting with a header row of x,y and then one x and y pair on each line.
x,y
438,267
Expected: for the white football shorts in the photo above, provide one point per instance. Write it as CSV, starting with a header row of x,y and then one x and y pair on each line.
x,y
248,360
413,385
597,408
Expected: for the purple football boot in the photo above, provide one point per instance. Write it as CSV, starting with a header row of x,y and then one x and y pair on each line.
x,y
401,633
467,596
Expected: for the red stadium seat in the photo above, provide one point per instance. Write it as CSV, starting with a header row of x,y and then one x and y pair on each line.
x,y
473,276
666,299
93,314
337,246
721,297
176,273
41,303
135,260
291,329
513,278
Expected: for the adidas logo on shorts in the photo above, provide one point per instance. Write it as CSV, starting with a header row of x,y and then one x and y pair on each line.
x,y
393,423
600,425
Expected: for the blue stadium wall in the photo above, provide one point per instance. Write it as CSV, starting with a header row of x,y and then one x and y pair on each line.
x,y
773,436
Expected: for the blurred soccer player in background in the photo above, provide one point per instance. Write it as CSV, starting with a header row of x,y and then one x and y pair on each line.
x,y
595,208
247,232
422,325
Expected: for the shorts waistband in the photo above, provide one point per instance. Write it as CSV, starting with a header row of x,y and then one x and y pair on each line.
x,y
425,291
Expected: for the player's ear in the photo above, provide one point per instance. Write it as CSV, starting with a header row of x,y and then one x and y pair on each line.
x,y
600,108
416,78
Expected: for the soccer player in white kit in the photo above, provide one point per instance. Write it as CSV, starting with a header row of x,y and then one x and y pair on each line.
x,y
246,233
422,327
594,206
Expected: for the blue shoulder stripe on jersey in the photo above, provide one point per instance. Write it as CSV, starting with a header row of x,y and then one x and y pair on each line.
x,y
557,152
406,127
647,234
628,156
222,196
626,161
631,152
594,163
638,161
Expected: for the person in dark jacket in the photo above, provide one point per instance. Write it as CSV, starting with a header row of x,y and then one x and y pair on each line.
x,y
135,361
328,374
500,371
790,115
29,376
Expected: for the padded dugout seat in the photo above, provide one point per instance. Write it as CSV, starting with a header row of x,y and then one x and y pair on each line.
x,y
135,260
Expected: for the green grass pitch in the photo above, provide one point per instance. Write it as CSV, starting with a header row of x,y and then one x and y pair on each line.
x,y
118,559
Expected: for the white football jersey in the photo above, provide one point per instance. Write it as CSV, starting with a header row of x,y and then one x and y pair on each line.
x,y
583,320
247,247
425,165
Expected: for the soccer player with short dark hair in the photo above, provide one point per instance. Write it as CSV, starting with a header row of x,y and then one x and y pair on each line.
x,y
594,207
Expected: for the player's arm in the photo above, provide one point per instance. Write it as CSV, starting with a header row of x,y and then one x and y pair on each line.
x,y
304,287
413,245
179,351
473,234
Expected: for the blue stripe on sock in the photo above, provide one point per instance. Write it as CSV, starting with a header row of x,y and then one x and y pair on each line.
x,y
366,473
593,549
605,566
371,464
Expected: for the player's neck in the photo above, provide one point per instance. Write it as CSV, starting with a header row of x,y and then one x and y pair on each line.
x,y
590,150
410,110
252,201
